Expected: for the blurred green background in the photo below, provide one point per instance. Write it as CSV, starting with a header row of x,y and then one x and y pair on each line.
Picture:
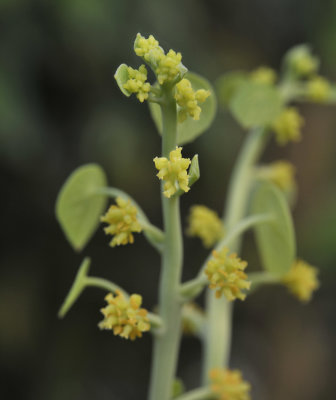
x,y
60,108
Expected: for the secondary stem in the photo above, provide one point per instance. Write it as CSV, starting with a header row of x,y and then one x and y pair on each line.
x,y
219,311
166,346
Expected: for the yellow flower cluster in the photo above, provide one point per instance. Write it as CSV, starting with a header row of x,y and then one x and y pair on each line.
x,y
166,66
226,275
264,75
205,224
173,171
288,126
229,385
318,89
144,46
305,64
301,280
122,220
124,316
281,173
188,100
137,82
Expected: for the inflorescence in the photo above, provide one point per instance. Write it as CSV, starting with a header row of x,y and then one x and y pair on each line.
x,y
124,316
226,275
205,224
122,220
229,385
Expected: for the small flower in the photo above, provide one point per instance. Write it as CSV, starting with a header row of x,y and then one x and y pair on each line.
x,y
288,126
122,220
226,275
281,173
173,171
188,100
264,75
137,82
205,224
143,46
124,316
301,280
168,67
229,385
318,89
304,63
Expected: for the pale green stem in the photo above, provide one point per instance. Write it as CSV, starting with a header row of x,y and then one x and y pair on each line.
x,y
262,278
220,310
166,346
203,393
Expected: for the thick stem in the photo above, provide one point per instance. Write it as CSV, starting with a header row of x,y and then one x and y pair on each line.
x,y
218,338
166,346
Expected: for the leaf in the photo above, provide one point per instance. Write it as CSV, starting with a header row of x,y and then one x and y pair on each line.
x,y
121,76
276,238
190,129
228,84
78,206
77,287
194,171
255,104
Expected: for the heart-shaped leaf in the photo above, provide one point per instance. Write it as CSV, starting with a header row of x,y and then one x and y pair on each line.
x,y
276,238
228,84
121,76
78,206
190,129
256,104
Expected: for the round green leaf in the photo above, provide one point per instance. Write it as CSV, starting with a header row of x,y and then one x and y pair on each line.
x,y
79,207
121,76
255,104
190,129
228,84
276,238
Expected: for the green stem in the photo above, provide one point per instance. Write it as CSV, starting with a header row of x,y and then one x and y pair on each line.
x,y
219,310
166,346
104,284
203,393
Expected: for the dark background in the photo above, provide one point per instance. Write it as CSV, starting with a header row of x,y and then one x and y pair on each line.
x,y
60,108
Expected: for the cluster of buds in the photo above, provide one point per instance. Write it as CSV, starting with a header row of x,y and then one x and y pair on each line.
x,y
301,280
205,224
173,172
122,220
287,126
226,274
281,173
137,82
264,75
229,385
188,100
124,316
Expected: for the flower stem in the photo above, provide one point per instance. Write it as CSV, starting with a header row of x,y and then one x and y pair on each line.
x,y
203,393
166,346
218,336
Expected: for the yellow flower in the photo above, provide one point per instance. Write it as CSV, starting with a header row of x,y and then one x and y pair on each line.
x,y
288,126
229,385
173,171
226,275
301,280
137,82
318,89
143,46
188,100
168,66
281,173
264,75
205,224
122,220
304,63
124,316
